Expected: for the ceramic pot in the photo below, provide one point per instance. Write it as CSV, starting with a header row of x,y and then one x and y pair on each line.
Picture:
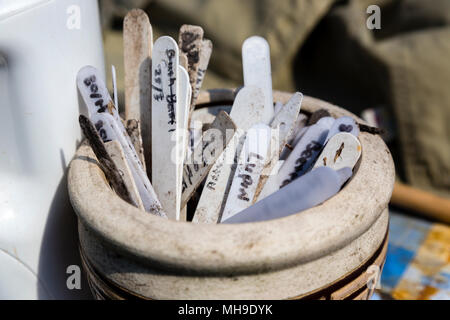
x,y
332,251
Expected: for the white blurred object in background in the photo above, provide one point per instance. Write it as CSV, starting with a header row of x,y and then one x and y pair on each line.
x,y
43,44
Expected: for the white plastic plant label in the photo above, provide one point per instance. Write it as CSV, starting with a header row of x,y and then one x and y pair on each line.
x,y
257,71
341,151
247,110
109,130
253,157
303,193
165,158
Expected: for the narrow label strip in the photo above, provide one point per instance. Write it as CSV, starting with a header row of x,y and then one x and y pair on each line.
x,y
247,110
342,150
250,165
165,157
257,71
137,52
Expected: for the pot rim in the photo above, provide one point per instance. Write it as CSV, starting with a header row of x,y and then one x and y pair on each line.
x,y
240,248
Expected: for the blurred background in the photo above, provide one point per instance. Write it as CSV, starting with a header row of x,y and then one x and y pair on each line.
x,y
391,67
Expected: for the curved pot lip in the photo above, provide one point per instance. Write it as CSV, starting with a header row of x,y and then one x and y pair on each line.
x,y
242,248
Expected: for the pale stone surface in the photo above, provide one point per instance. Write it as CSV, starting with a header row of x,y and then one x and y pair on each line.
x,y
205,54
289,282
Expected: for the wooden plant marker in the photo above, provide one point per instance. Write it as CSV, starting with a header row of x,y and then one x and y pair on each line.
x,y
257,71
183,60
133,130
110,130
205,54
214,140
107,165
342,150
284,121
117,155
247,110
184,102
165,121
252,160
190,42
137,45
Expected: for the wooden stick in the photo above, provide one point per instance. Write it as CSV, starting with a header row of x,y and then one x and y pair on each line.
x,y
117,155
422,202
138,43
205,55
190,41
134,131
106,163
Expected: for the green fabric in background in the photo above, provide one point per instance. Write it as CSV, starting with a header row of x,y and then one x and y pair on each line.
x,y
323,48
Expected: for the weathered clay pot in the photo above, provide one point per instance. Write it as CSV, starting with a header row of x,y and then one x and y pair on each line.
x,y
329,251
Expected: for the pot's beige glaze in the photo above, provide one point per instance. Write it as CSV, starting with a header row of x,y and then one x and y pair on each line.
x,y
282,258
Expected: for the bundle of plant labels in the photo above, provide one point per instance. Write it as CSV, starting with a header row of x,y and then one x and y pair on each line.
x,y
262,161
